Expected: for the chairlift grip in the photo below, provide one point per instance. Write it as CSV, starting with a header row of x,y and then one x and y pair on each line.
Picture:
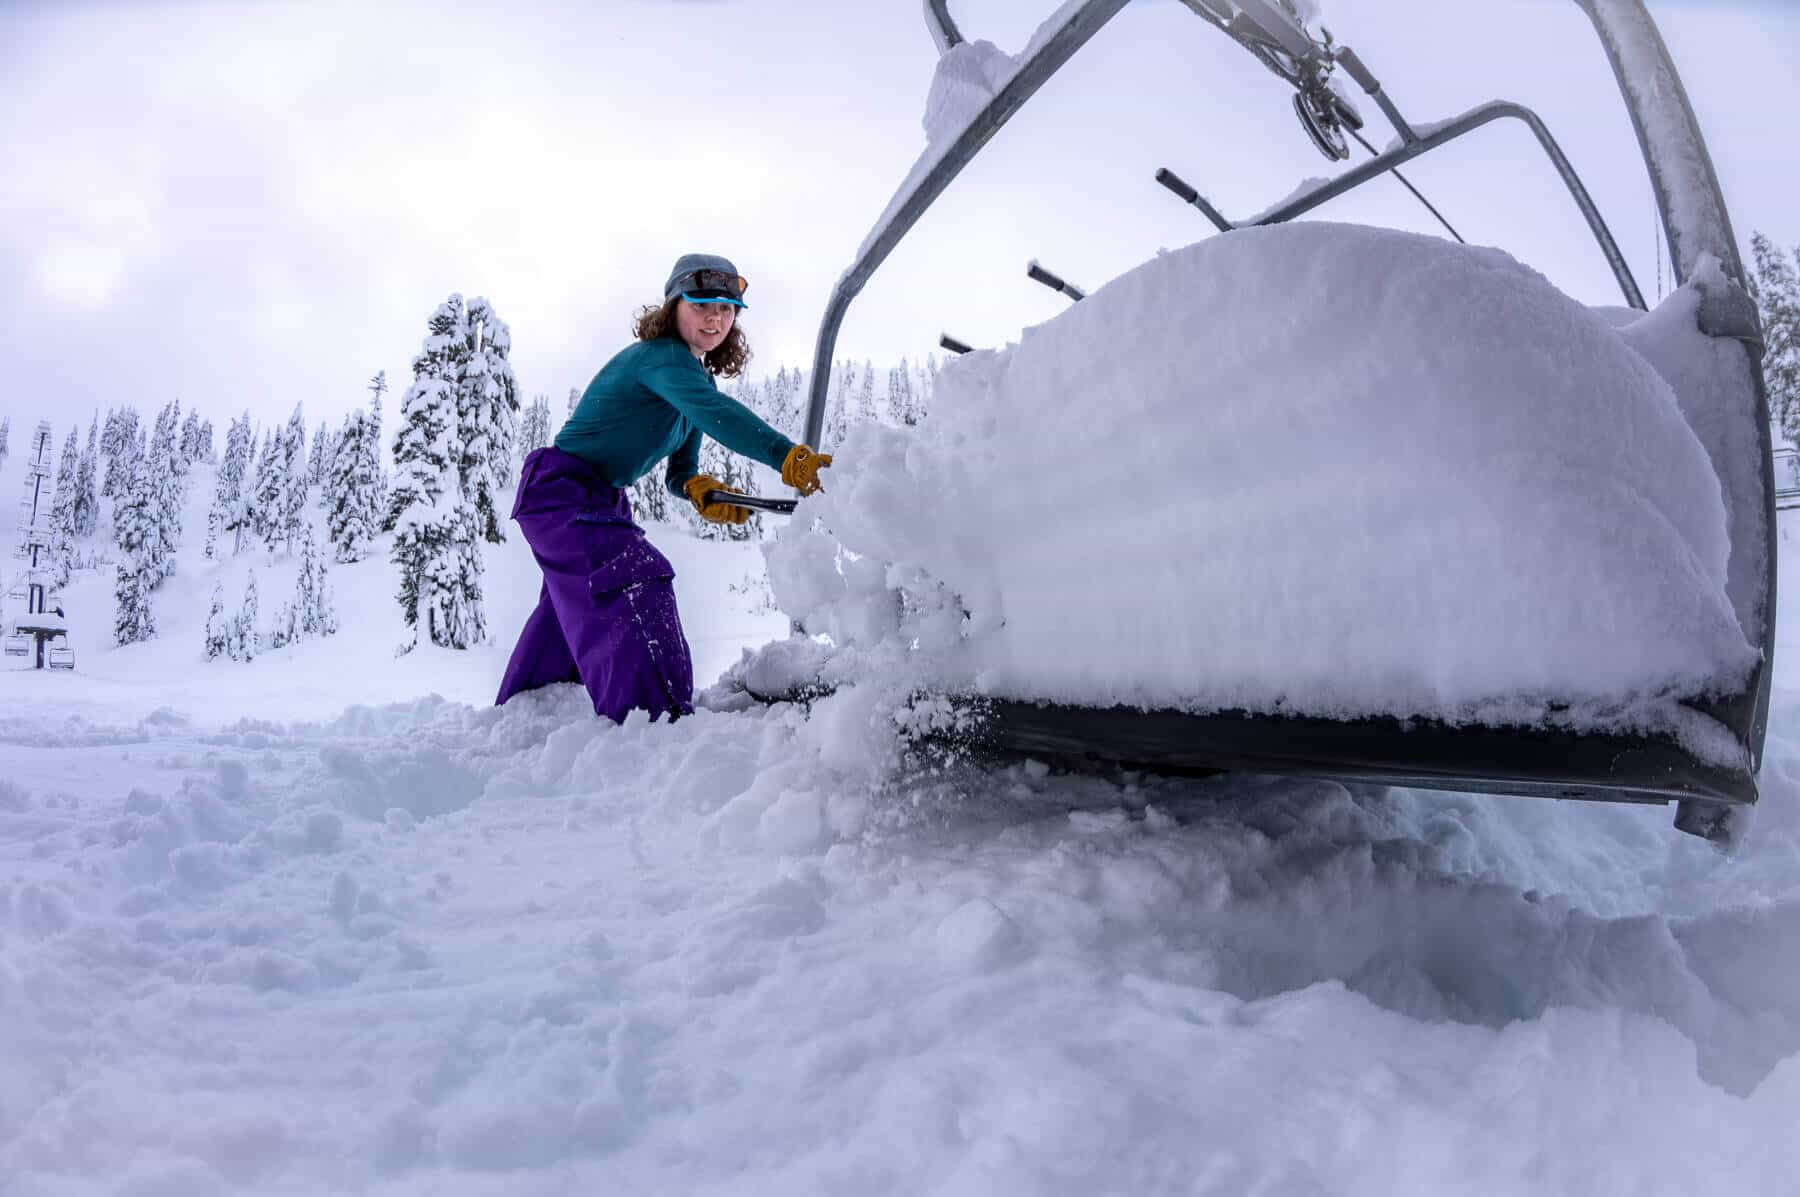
x,y
1055,282
1188,195
1365,79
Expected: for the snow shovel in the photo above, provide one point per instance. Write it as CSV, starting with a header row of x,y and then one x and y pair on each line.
x,y
754,502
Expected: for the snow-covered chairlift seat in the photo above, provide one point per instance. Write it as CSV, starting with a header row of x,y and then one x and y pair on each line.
x,y
1734,432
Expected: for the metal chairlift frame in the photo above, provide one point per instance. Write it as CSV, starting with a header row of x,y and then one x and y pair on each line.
x,y
1421,753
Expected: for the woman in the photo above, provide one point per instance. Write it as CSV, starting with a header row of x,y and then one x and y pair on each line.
x,y
607,616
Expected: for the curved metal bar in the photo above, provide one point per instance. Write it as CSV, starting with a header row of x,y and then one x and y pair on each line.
x,y
1450,130
943,26
920,190
1697,224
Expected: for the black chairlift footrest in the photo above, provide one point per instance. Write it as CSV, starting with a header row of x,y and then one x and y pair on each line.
x,y
1419,754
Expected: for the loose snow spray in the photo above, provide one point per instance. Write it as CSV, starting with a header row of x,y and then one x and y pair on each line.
x,y
1313,469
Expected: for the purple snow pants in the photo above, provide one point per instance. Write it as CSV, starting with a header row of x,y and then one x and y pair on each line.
x,y
607,616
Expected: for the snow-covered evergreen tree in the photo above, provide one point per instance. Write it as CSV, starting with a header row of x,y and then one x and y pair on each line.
x,y
246,639
352,516
167,471
574,398
62,510
291,512
191,448
118,443
487,405
134,526
218,628
229,512
1776,287
534,427
903,397
5,432
436,541
318,460
378,386
87,484
263,503
313,608
285,630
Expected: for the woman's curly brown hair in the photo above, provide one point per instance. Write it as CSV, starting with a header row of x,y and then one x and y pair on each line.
x,y
656,321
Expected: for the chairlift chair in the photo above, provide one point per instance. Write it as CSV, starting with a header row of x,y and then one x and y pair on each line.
x,y
60,655
1517,759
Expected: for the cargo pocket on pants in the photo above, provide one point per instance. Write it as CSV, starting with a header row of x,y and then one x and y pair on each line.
x,y
640,579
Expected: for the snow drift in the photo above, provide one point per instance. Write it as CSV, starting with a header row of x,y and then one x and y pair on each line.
x,y
1316,469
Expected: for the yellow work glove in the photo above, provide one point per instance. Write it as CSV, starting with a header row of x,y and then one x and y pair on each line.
x,y
718,513
801,468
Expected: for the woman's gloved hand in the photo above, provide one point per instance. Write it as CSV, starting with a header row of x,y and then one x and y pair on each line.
x,y
801,469
715,512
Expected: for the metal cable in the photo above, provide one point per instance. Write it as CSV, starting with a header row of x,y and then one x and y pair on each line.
x,y
1403,180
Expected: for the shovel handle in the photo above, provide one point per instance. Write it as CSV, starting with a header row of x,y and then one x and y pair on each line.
x,y
754,502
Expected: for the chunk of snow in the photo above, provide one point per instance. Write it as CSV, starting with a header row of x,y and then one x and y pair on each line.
x,y
1317,469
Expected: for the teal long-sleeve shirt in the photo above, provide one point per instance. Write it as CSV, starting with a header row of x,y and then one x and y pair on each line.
x,y
654,400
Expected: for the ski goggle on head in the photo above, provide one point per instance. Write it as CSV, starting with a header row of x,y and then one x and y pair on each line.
x,y
713,286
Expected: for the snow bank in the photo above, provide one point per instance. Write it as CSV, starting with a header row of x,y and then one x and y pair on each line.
x,y
1318,469
437,949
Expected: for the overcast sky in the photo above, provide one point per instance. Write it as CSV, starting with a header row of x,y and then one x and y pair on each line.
x,y
254,205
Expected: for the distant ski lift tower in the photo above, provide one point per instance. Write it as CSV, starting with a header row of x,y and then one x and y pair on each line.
x,y
38,631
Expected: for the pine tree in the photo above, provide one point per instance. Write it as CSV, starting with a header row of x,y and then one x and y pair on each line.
x,y
352,514
534,427
902,400
62,510
315,462
378,386
134,524
574,398
87,486
245,638
291,509
314,613
263,513
167,471
487,405
436,529
228,511
118,441
218,630
1776,287
5,431
191,450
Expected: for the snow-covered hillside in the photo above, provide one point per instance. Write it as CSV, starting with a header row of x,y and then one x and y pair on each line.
x,y
254,941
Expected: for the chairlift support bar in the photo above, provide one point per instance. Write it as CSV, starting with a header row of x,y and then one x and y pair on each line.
x,y
1073,34
1405,152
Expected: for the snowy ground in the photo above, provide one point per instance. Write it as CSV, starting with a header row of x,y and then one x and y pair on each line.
x,y
285,928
